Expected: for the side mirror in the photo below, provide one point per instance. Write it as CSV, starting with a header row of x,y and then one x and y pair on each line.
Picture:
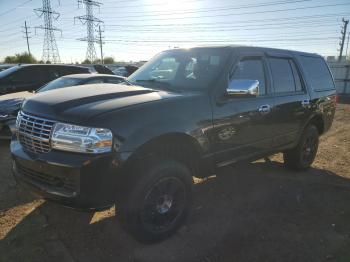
x,y
243,87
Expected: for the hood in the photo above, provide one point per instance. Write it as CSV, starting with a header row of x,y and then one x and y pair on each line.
x,y
17,95
79,103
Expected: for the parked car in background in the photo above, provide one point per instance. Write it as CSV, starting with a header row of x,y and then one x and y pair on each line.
x,y
10,104
102,69
188,113
4,67
125,70
30,77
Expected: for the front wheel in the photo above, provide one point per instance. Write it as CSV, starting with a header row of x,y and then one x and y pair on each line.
x,y
158,201
302,156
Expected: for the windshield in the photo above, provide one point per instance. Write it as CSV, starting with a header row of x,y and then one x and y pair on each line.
x,y
60,83
180,70
8,71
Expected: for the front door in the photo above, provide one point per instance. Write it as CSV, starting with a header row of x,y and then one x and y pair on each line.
x,y
243,124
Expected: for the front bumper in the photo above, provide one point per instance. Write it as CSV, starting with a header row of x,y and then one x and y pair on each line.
x,y
74,180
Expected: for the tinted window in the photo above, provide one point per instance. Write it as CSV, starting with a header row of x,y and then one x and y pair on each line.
x,y
60,83
317,73
30,74
95,81
251,69
114,80
282,74
53,73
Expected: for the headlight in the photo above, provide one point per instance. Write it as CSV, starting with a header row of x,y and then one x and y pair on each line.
x,y
81,139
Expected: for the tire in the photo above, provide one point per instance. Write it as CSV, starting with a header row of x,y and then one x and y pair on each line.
x,y
302,156
158,201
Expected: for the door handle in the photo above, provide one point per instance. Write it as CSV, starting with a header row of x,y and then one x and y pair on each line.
x,y
305,103
264,109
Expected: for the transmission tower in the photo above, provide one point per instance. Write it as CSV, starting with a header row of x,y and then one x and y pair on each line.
x,y
90,21
50,50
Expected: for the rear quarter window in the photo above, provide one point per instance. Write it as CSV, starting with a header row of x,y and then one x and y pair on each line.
x,y
317,73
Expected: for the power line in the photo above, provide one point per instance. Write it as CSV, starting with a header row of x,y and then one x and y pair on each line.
x,y
235,23
14,8
215,9
233,14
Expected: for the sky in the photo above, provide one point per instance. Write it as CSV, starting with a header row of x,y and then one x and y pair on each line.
x,y
136,30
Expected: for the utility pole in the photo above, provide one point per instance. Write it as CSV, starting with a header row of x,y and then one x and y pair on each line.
x,y
50,50
90,21
342,42
101,43
27,37
347,46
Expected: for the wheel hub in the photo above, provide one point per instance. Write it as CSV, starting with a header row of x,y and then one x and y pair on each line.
x,y
164,204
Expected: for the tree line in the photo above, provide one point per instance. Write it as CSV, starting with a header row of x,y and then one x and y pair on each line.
x,y
26,58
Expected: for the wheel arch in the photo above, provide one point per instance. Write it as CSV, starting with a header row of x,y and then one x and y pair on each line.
x,y
318,121
179,146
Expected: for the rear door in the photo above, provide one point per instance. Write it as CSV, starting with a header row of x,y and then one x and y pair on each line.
x,y
292,102
242,125
321,87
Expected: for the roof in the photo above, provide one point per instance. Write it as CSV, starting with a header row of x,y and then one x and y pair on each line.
x,y
84,76
60,65
252,48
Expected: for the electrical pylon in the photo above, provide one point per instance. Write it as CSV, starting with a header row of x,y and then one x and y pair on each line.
x,y
50,50
91,21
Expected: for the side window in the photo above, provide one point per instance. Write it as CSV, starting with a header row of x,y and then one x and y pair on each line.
x,y
95,81
282,75
297,79
53,72
29,74
251,69
113,80
21,75
317,73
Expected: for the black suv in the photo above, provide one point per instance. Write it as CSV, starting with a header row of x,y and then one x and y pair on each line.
x,y
30,77
185,113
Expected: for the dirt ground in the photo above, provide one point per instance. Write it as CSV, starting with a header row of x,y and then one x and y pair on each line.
x,y
249,212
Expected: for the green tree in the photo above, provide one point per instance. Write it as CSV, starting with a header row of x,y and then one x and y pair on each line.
x,y
21,58
97,61
86,61
108,60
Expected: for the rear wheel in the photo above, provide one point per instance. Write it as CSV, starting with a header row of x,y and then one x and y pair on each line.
x,y
302,156
159,200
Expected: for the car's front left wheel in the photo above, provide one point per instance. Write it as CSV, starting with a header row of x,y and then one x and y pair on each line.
x,y
158,200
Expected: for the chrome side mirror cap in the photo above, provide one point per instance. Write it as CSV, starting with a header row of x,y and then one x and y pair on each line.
x,y
243,87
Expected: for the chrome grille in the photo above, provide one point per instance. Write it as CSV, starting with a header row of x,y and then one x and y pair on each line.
x,y
34,133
